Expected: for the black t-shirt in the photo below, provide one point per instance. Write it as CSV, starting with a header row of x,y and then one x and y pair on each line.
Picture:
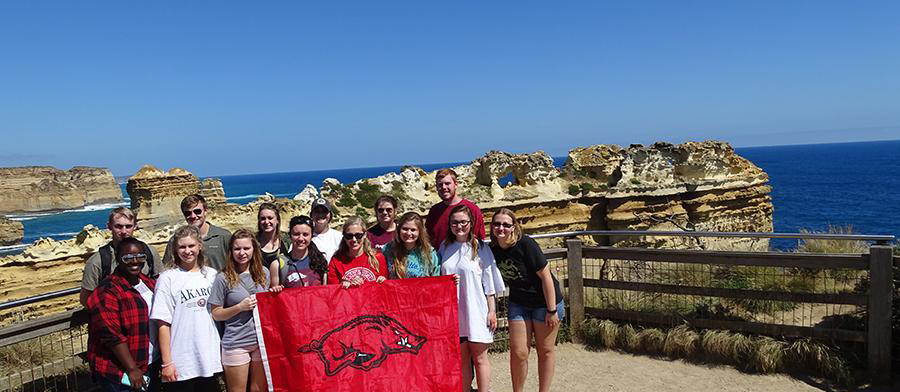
x,y
283,248
519,265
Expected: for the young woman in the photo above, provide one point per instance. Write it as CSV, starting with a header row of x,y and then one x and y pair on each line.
x,y
232,300
273,243
188,338
409,254
382,233
466,256
356,261
121,341
535,300
304,265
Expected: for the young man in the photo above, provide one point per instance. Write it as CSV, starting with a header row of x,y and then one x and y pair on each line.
x,y
436,222
326,239
122,223
382,232
215,239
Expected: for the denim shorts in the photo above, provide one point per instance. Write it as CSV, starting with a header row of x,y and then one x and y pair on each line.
x,y
524,313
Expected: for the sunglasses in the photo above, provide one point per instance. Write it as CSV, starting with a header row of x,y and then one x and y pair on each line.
x,y
460,223
384,210
357,236
134,256
502,224
195,211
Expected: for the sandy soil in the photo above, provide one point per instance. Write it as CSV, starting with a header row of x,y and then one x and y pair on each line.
x,y
578,369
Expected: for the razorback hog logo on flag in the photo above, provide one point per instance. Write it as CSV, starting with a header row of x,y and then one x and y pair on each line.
x,y
363,343
400,335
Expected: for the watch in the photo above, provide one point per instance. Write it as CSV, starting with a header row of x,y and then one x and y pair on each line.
x,y
549,311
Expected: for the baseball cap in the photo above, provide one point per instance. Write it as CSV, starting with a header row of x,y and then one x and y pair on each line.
x,y
321,202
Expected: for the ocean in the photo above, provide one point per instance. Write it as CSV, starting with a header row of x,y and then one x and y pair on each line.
x,y
813,186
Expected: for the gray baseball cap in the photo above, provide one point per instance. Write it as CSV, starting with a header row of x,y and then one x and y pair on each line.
x,y
321,202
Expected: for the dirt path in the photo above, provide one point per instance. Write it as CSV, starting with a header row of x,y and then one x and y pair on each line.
x,y
580,370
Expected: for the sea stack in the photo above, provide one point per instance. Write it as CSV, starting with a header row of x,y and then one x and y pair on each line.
x,y
44,188
156,195
11,232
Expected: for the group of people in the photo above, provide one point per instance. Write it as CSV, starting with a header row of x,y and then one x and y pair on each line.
x,y
181,319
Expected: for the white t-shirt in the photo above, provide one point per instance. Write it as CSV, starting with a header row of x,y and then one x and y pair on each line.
x,y
328,242
180,300
147,295
477,279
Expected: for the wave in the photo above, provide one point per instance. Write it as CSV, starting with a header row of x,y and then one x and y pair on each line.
x,y
93,207
25,217
12,248
255,196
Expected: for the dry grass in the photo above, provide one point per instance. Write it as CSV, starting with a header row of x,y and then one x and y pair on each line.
x,y
681,342
832,246
651,341
760,354
767,355
724,346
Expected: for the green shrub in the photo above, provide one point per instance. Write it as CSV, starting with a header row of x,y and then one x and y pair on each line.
x,y
367,194
574,190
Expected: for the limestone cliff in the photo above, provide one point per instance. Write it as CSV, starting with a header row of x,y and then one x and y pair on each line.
x,y
701,186
44,188
11,232
692,186
156,195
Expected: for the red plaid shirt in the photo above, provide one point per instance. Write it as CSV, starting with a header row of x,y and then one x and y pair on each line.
x,y
118,315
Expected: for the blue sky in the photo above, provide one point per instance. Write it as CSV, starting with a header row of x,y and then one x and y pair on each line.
x,y
230,88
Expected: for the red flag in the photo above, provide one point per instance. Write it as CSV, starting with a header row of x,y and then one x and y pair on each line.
x,y
400,335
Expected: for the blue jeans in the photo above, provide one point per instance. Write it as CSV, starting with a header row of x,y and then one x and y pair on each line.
x,y
523,313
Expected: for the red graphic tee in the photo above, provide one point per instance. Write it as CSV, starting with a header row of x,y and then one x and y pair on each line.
x,y
341,268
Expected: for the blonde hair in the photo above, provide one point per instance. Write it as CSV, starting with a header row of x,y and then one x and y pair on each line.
x,y
516,234
256,268
368,249
188,231
474,241
399,249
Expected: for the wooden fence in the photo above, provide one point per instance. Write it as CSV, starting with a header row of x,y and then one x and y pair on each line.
x,y
873,305
584,272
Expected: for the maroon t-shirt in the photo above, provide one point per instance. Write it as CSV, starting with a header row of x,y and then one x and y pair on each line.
x,y
379,237
437,221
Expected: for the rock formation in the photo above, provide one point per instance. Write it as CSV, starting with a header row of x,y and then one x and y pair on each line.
x,y
211,189
156,195
692,186
701,186
44,188
11,232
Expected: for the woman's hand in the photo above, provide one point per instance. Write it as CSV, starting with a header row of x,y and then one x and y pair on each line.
x,y
168,372
136,377
456,278
492,321
276,289
247,304
380,279
551,320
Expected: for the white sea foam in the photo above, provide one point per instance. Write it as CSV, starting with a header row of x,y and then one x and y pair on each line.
x,y
12,248
254,196
94,207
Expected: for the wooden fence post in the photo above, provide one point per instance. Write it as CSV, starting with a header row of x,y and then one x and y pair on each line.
x,y
576,281
881,291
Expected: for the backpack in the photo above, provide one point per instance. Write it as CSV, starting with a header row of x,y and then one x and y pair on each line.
x,y
106,260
